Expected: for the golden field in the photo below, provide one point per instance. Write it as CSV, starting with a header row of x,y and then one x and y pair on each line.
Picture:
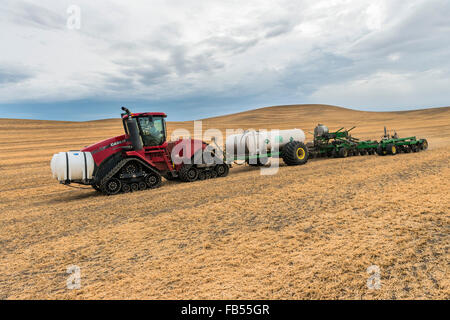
x,y
308,232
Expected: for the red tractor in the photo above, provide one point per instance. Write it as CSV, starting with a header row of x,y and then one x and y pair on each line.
x,y
139,158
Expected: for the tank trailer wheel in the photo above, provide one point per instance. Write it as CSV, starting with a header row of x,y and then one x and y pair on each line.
x,y
153,180
295,153
113,186
260,162
222,170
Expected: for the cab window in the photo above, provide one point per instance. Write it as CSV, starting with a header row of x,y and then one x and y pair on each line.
x,y
152,131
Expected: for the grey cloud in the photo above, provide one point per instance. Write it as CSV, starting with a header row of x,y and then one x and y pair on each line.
x,y
37,16
10,75
185,64
149,74
230,44
253,57
423,30
321,68
279,28
131,73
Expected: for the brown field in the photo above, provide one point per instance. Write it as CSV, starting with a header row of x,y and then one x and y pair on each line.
x,y
309,232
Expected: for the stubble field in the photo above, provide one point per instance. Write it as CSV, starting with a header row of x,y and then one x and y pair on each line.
x,y
308,232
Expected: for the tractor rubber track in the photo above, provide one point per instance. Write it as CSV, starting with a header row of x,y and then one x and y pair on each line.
x,y
118,167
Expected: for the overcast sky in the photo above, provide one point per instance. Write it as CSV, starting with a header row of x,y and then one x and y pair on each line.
x,y
195,59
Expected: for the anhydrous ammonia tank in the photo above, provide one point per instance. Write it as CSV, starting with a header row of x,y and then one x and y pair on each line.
x,y
259,142
72,166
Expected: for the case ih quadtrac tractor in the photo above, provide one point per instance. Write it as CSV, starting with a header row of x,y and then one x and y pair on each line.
x,y
138,159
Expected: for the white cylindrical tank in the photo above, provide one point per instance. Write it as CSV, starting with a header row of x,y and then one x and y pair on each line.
x,y
72,166
259,142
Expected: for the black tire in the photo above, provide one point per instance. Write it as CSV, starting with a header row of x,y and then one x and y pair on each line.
x,y
424,145
153,180
222,170
134,187
295,153
261,162
208,174
407,149
188,173
112,186
343,153
415,148
264,161
391,149
213,174
381,151
96,188
335,153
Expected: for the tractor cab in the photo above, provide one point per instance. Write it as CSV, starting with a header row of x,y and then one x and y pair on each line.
x,y
151,127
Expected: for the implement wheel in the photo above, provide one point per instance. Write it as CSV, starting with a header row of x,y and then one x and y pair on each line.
x,y
295,153
424,145
343,153
381,151
391,149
